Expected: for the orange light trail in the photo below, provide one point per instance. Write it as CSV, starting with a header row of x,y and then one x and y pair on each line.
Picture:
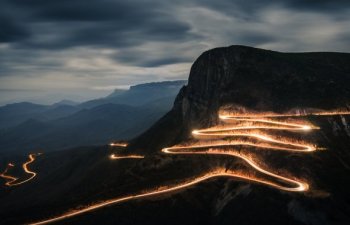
x,y
235,131
273,143
113,156
282,125
118,144
298,185
271,115
12,180
184,185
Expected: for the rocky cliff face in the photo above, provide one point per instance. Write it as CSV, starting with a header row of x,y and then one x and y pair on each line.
x,y
263,80
253,78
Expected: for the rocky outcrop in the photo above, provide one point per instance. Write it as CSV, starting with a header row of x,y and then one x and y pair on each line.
x,y
253,78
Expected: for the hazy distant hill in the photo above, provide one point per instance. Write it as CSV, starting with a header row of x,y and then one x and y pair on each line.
x,y
66,102
17,113
123,114
139,94
98,125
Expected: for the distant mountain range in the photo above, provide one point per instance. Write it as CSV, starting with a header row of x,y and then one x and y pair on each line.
x,y
121,115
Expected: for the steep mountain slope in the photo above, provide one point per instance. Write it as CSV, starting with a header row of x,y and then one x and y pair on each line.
x,y
265,81
253,78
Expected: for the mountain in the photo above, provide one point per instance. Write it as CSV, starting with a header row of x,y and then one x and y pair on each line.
x,y
65,102
247,80
250,79
62,125
116,93
99,125
140,94
17,113
256,79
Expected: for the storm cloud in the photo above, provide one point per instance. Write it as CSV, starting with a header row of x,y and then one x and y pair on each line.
x,y
81,47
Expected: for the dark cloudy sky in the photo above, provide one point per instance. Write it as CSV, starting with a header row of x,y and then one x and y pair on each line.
x,y
80,49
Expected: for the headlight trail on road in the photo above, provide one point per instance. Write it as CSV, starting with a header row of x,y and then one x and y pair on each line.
x,y
9,179
118,144
13,181
160,191
254,115
223,141
113,156
263,141
123,145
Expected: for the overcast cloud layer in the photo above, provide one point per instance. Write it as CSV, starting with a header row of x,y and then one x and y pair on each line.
x,y
81,49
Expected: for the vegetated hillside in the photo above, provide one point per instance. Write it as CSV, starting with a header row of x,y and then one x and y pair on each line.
x,y
29,127
81,177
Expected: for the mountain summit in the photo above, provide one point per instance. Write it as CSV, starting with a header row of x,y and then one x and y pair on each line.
x,y
253,78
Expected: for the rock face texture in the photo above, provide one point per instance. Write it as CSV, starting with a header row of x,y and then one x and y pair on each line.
x,y
263,80
254,78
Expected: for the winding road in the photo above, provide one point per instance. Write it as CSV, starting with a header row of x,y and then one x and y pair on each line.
x,y
114,156
123,145
249,127
238,131
13,181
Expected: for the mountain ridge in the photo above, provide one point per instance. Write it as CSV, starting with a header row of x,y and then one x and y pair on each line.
x,y
245,76
65,126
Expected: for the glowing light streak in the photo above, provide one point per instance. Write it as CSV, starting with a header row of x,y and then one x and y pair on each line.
x,y
225,113
12,180
113,156
118,144
294,146
299,186
294,185
178,187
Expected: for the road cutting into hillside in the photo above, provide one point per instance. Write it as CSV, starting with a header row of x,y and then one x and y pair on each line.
x,y
15,181
227,140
